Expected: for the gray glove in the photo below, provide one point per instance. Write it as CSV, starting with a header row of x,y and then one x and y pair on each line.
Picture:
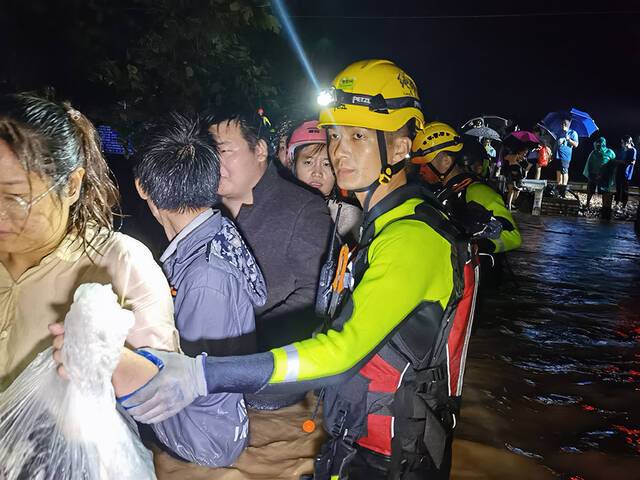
x,y
178,383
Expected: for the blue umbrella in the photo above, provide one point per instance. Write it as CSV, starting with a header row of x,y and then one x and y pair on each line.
x,y
581,122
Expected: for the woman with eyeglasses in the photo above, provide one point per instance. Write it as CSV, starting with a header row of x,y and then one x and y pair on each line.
x,y
56,232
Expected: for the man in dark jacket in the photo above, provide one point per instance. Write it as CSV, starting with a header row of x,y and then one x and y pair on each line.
x,y
286,227
215,283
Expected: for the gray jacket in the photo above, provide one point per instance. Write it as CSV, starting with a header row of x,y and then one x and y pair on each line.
x,y
216,284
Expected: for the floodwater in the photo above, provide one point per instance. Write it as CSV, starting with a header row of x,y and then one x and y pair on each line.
x,y
552,388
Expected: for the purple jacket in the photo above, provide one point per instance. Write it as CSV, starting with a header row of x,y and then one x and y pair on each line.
x,y
217,284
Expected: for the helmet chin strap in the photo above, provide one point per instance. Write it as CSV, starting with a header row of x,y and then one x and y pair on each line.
x,y
386,172
441,175
334,191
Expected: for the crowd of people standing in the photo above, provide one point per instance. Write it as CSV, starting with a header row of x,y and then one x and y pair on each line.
x,y
608,171
350,266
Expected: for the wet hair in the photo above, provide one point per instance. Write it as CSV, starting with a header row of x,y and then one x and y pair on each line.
x,y
178,165
286,137
282,132
53,140
249,133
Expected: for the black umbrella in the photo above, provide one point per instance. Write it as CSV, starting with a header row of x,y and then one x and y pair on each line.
x,y
545,135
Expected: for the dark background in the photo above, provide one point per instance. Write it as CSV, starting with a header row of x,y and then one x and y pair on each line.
x,y
500,57
515,59
468,58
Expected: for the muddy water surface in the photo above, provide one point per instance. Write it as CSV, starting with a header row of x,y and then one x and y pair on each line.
x,y
552,388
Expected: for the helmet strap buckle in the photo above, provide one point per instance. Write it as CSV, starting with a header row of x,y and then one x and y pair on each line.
x,y
441,176
385,175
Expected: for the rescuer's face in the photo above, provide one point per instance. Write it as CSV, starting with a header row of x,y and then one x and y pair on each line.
x,y
355,156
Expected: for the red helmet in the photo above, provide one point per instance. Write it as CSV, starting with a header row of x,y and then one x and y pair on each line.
x,y
306,134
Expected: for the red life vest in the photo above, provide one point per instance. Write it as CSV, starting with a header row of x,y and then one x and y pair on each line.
x,y
385,371
412,384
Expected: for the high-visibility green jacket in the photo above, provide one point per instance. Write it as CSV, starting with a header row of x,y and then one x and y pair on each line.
x,y
392,363
408,263
491,200
466,188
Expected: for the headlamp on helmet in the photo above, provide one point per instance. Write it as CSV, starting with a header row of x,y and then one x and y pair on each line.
x,y
336,98
374,94
327,97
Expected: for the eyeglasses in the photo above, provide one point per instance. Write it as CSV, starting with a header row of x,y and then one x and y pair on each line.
x,y
17,208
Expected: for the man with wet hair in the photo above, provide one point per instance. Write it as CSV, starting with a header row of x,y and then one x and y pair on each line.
x,y
215,281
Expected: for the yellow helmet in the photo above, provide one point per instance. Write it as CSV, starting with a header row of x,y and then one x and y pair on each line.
x,y
434,138
373,94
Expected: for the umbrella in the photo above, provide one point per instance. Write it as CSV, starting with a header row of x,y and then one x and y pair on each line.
x,y
581,122
484,132
499,124
545,135
520,140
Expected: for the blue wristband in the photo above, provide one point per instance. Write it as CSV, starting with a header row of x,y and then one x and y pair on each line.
x,y
153,359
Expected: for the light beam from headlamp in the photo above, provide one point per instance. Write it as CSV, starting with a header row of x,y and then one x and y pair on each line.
x,y
285,19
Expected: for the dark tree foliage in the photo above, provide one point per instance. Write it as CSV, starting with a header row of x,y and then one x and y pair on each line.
x,y
130,61
192,54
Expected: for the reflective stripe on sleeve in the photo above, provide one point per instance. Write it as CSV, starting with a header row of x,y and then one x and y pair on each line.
x,y
293,364
286,364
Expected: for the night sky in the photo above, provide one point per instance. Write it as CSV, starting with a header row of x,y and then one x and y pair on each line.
x,y
515,66
513,59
